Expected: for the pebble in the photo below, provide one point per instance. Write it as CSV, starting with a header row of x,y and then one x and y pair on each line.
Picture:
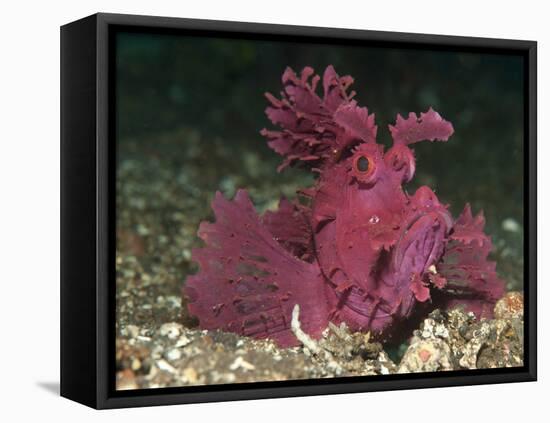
x,y
186,254
136,364
182,341
190,374
240,363
173,354
511,225
173,301
426,355
164,365
171,330
126,380
142,229
510,306
132,331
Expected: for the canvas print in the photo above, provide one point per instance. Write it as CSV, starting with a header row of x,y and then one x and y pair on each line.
x,y
300,210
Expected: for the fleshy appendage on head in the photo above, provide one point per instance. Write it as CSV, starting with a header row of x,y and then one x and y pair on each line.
x,y
430,126
316,130
319,130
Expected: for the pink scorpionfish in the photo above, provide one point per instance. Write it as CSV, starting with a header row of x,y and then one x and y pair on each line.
x,y
362,251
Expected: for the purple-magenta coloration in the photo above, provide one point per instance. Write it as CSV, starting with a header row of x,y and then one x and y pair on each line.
x,y
362,251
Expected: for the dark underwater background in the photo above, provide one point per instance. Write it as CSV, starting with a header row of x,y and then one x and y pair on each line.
x,y
189,110
172,89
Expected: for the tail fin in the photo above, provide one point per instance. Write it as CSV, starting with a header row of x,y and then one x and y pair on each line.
x,y
471,279
248,283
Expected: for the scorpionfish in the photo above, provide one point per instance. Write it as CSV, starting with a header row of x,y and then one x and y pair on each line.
x,y
358,248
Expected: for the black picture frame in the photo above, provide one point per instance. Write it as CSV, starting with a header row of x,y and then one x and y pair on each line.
x,y
88,228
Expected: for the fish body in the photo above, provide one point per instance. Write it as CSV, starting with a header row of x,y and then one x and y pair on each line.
x,y
358,249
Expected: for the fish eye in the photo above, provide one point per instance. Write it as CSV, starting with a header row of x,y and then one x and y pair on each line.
x,y
362,164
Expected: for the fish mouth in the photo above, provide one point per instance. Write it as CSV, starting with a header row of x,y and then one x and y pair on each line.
x,y
438,223
429,238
